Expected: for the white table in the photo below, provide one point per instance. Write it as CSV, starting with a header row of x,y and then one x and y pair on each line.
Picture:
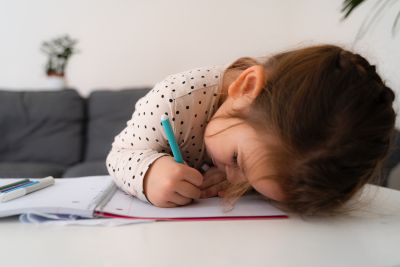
x,y
367,237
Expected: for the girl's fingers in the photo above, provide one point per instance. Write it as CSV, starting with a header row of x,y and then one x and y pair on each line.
x,y
180,200
211,177
214,190
188,190
212,171
212,180
169,204
193,176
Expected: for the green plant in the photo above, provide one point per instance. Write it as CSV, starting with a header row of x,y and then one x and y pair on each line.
x,y
350,5
59,50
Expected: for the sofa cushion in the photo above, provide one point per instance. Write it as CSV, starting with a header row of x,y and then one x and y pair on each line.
x,y
41,126
108,112
30,170
91,168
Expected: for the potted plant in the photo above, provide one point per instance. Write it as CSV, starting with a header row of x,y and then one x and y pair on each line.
x,y
58,50
375,14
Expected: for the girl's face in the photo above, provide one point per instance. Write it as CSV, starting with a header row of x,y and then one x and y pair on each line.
x,y
238,151
235,150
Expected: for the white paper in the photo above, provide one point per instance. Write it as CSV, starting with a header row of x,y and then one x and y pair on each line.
x,y
80,196
252,205
67,196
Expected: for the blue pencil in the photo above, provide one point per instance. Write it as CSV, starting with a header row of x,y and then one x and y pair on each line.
x,y
171,138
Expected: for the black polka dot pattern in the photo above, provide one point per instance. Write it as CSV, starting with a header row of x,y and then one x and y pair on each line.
x,y
190,99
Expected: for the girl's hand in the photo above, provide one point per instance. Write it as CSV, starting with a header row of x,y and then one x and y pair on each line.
x,y
170,184
214,184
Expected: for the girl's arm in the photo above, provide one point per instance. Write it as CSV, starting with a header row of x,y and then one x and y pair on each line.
x,y
140,160
128,168
141,143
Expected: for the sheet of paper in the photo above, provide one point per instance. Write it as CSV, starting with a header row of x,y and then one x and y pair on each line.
x,y
67,196
252,205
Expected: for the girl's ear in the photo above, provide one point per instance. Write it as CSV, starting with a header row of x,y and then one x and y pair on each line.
x,y
248,85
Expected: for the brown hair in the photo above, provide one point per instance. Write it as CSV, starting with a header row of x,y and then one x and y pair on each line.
x,y
333,117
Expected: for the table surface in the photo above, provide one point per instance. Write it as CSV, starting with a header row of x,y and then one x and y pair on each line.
x,y
368,236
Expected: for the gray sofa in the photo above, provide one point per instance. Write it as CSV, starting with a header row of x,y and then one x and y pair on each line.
x,y
62,134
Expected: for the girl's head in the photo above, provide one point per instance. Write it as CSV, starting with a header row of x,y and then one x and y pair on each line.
x,y
307,128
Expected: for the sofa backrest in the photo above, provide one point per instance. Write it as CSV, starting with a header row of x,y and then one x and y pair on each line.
x,y
41,126
108,111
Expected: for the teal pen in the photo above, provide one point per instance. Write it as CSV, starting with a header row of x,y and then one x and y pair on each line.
x,y
171,138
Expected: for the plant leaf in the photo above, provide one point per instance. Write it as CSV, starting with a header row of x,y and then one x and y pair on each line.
x,y
349,6
372,17
396,21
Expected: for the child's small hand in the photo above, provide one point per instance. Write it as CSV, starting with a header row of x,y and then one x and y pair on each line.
x,y
214,184
170,184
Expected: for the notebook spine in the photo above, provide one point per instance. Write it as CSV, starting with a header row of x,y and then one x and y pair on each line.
x,y
103,197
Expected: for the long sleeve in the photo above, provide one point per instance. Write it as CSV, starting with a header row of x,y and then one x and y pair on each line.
x,y
189,99
141,142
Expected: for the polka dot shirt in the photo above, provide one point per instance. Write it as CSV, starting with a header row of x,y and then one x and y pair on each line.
x,y
189,99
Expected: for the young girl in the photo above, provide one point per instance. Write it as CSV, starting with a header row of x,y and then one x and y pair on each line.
x,y
306,129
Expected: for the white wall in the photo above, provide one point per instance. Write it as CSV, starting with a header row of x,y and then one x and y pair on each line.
x,y
132,43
